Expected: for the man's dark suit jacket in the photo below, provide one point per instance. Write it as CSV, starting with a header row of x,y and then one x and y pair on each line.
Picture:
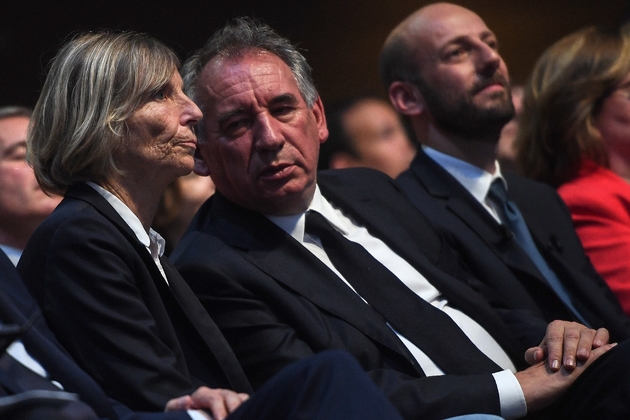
x,y
17,307
275,302
105,299
508,278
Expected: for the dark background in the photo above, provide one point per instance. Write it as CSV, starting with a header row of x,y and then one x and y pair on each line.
x,y
341,39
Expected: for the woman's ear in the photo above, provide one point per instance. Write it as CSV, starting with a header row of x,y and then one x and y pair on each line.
x,y
406,98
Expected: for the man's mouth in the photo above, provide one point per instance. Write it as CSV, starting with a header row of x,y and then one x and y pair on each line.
x,y
276,171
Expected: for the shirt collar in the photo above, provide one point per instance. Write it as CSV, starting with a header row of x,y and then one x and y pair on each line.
x,y
14,254
294,224
151,240
474,179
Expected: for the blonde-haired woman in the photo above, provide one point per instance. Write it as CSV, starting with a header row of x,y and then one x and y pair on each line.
x,y
111,129
575,135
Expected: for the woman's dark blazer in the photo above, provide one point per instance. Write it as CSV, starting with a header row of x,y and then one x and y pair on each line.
x,y
143,340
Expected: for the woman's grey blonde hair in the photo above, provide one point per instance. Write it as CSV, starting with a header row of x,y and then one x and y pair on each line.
x,y
95,83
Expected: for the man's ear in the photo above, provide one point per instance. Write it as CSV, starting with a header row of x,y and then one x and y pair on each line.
x,y
406,98
320,118
200,167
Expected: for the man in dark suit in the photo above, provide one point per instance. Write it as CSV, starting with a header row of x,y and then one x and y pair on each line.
x,y
27,390
280,290
454,88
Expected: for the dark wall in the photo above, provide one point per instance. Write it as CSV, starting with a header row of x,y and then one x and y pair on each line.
x,y
341,38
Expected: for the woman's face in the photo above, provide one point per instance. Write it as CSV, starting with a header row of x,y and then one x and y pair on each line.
x,y
613,120
161,139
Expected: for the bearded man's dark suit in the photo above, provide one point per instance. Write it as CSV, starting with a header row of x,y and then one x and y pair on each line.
x,y
275,302
18,307
508,277
103,296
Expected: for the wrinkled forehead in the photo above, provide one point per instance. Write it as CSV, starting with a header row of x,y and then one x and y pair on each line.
x,y
253,76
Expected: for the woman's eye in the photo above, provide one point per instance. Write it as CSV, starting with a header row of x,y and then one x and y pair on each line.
x,y
159,95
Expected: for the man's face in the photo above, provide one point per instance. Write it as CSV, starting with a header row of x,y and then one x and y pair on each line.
x,y
379,137
21,198
260,139
464,81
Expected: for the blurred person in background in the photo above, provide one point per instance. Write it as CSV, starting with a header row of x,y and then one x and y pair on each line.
x,y
23,204
575,136
366,132
179,203
506,153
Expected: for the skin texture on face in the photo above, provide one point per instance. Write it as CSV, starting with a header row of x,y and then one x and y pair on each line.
x,y
379,138
261,141
23,205
161,141
613,123
466,80
459,99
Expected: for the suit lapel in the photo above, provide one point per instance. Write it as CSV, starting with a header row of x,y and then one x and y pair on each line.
x,y
399,235
207,330
176,294
458,201
284,259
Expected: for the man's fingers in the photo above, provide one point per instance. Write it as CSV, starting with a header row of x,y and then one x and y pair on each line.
x,y
586,344
181,403
601,337
234,400
554,341
534,355
220,402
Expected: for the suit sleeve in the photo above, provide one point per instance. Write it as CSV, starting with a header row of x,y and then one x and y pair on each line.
x,y
269,327
95,292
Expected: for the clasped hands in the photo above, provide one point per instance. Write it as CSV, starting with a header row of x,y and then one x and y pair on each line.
x,y
565,344
219,402
567,349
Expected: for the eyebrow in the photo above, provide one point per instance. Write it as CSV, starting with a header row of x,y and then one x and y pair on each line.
x,y
464,38
11,149
227,115
284,98
287,97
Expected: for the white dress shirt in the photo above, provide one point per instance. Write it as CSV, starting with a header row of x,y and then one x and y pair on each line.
x,y
14,254
476,181
510,394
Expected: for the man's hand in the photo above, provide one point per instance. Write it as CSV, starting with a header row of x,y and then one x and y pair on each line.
x,y
565,344
220,402
543,386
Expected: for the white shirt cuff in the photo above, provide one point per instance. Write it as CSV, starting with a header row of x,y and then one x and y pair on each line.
x,y
197,415
511,396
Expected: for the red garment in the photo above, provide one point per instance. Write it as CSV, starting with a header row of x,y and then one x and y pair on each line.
x,y
599,201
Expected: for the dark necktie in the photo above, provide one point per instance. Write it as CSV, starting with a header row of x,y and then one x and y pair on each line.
x,y
427,327
515,222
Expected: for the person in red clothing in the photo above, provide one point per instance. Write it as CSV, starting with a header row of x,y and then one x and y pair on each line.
x,y
575,135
